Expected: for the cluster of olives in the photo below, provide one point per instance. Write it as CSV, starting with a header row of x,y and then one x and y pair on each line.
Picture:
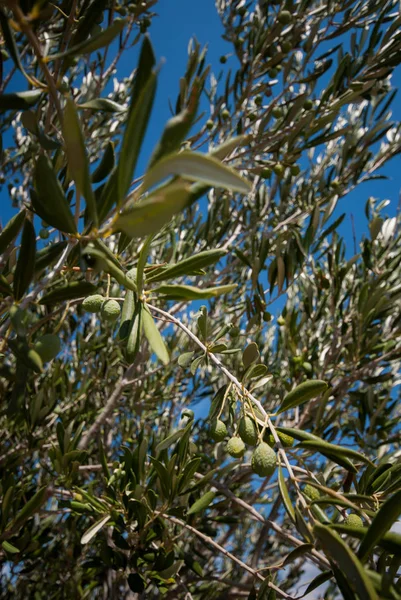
x,y
263,461
109,309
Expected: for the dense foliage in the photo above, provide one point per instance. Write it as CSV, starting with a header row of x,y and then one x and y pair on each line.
x,y
199,380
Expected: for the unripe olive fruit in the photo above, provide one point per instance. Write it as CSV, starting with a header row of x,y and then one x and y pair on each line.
x,y
286,47
266,173
286,440
311,492
110,310
272,73
223,59
264,460
93,304
295,170
225,114
44,234
353,520
281,320
284,17
258,100
277,112
209,124
279,170
308,104
47,346
218,430
247,431
235,447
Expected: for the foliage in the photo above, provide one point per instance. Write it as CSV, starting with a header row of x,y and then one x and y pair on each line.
x,y
111,485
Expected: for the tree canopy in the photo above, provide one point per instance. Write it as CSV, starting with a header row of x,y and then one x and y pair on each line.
x,y
199,375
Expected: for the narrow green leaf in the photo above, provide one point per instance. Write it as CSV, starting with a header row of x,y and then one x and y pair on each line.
x,y
93,530
154,337
143,93
202,503
189,471
250,355
390,541
188,292
95,42
317,582
6,505
143,256
285,495
30,508
49,201
177,127
135,333
24,271
163,475
188,265
148,216
28,356
297,553
126,314
302,393
185,359
384,519
298,434
106,164
333,449
11,230
47,256
104,104
69,291
325,449
9,547
196,167
78,163
171,439
19,100
9,41
348,563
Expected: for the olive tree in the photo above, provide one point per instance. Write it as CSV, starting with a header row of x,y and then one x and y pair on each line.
x,y
199,377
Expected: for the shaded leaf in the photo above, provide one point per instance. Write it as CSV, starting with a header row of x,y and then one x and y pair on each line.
x,y
333,449
149,215
47,256
348,563
188,265
19,100
69,291
154,337
143,92
285,495
106,164
30,508
95,42
11,230
188,292
384,519
104,104
25,268
78,163
49,201
302,393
